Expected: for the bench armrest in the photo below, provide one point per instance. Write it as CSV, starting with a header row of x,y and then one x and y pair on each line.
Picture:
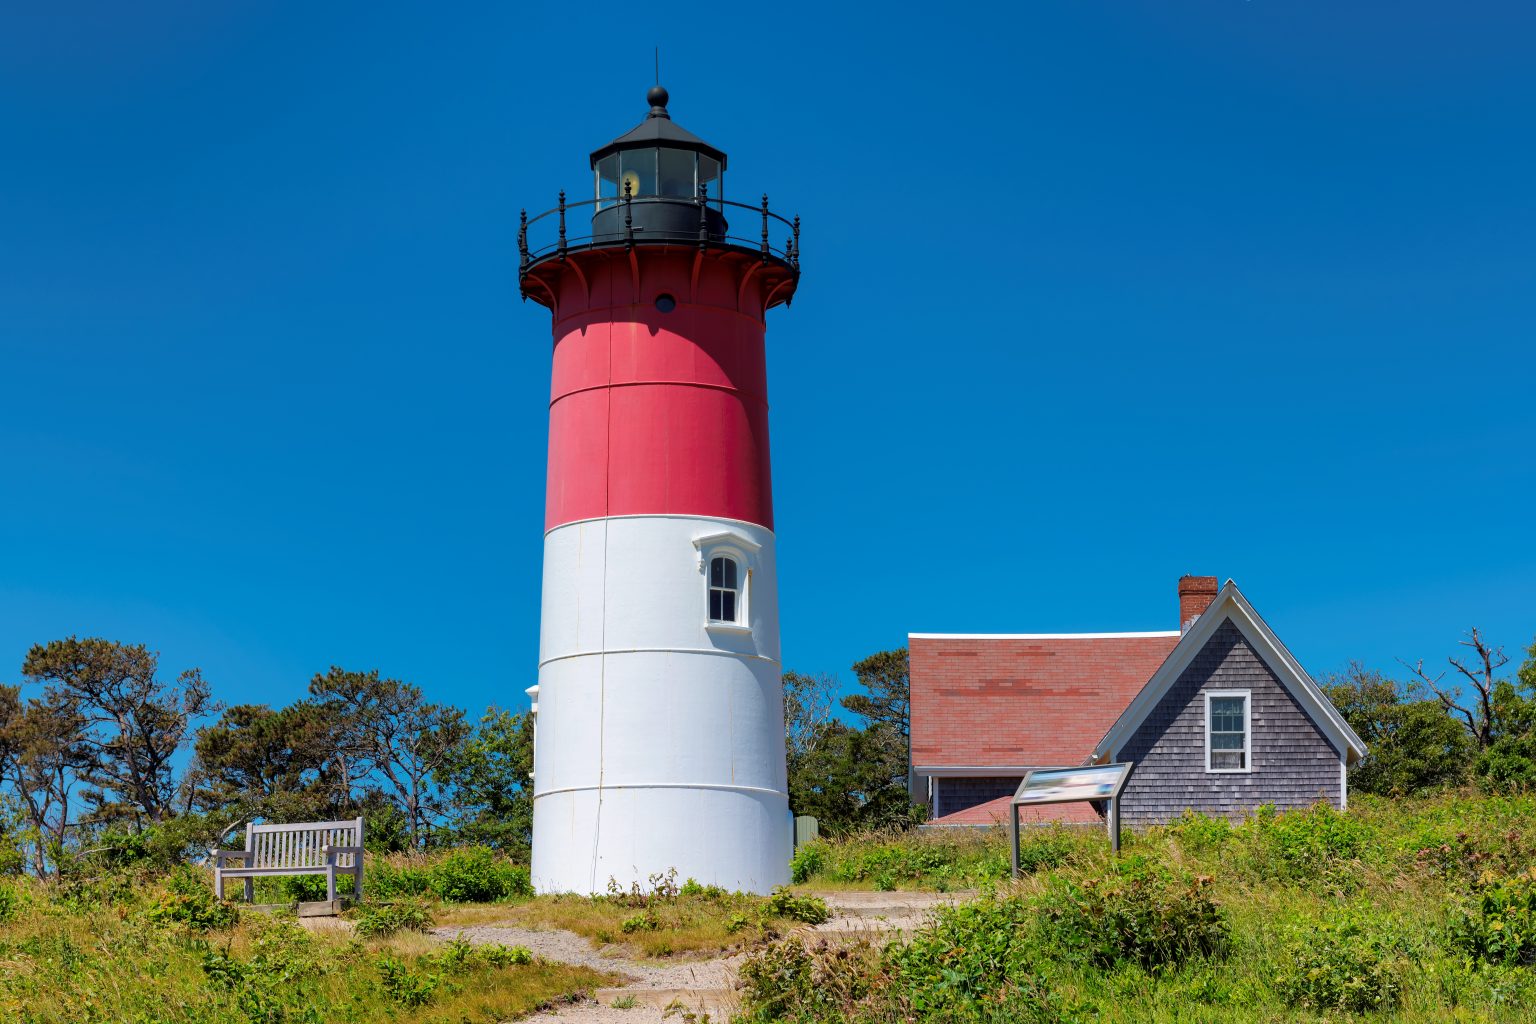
x,y
220,855
342,849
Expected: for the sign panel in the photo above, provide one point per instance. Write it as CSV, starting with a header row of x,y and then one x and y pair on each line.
x,y
1069,785
1063,785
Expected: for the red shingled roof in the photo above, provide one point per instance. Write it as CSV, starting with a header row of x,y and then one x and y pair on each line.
x,y
996,702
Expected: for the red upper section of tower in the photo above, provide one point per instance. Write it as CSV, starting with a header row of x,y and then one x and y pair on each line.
x,y
657,412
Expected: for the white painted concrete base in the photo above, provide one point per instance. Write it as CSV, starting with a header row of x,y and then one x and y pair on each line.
x,y
660,738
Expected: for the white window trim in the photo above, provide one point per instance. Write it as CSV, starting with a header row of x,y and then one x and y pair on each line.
x,y
1247,696
741,550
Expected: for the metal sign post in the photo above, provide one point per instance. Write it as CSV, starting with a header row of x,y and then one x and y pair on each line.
x,y
1070,785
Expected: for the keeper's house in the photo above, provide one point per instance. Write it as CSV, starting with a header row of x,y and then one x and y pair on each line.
x,y
1217,716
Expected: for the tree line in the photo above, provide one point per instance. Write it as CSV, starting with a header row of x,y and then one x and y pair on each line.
x,y
101,753
1429,729
89,763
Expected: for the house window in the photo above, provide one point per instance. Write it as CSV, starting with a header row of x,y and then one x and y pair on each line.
x,y
724,589
1227,729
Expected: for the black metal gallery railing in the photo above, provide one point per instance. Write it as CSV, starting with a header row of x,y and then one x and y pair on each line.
x,y
641,220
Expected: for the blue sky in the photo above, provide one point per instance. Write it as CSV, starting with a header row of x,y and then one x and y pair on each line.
x,y
1094,295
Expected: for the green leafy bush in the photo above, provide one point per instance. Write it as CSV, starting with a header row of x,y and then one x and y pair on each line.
x,y
10,902
380,920
1139,914
810,909
1339,968
965,955
809,859
188,900
473,874
405,986
788,980
1499,925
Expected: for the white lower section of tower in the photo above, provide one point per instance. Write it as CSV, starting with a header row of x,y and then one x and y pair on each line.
x,y
660,736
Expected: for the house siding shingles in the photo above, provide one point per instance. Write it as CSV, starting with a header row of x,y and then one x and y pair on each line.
x,y
959,794
1294,764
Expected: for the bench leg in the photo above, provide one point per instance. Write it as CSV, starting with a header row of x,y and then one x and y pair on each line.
x,y
330,883
250,890
218,884
357,883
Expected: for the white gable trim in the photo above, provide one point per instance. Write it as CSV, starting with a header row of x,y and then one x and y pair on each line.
x,y
1231,604
1041,636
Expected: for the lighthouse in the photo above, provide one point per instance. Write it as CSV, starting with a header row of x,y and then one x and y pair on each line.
x,y
660,714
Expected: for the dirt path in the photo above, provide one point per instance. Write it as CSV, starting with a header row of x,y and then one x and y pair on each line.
x,y
700,986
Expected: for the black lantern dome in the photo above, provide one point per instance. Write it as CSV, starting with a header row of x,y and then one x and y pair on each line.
x,y
664,166
657,185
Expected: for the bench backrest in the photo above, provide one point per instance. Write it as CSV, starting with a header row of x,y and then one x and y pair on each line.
x,y
300,845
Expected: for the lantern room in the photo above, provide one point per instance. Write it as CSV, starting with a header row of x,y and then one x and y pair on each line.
x,y
658,158
665,172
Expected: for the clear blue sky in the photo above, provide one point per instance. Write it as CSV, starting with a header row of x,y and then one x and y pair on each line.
x,y
1094,295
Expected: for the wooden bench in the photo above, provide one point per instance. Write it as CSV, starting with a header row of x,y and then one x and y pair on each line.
x,y
324,848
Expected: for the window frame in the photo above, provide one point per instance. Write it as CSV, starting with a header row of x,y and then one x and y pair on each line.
x,y
739,573
1247,748
740,550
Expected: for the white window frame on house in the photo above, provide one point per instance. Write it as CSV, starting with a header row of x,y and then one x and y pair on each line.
x,y
1247,748
740,550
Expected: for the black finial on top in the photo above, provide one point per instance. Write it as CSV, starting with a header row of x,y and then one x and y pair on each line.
x,y
657,98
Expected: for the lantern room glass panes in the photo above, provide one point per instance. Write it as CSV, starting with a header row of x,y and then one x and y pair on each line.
x,y
724,594
637,169
709,176
607,180
675,172
1228,729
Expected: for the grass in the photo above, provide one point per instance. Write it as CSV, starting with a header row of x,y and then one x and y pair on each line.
x,y
666,920
1411,912
110,952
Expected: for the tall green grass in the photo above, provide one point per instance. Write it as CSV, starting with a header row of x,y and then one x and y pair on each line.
x,y
1411,911
127,949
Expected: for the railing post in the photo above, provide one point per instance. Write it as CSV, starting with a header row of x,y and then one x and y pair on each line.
x,y
562,223
703,217
629,221
765,225
522,242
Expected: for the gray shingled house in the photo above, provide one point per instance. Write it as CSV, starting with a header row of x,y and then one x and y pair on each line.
x,y
1230,721
1217,716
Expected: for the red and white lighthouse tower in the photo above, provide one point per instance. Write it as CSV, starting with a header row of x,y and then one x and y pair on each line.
x,y
660,724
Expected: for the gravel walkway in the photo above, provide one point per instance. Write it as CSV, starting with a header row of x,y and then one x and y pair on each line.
x,y
701,985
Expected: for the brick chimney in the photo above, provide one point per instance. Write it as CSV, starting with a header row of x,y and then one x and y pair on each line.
x,y
1195,595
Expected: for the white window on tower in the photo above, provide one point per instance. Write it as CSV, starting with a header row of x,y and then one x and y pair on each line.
x,y
1228,726
724,589
726,561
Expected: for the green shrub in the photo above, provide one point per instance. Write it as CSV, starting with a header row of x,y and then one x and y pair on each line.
x,y
405,986
1303,844
809,859
967,954
645,921
1138,914
1198,833
473,874
494,954
810,909
713,893
188,900
10,902
381,920
1338,969
1499,925
787,980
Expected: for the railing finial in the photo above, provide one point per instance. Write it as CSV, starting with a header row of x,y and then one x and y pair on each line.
x,y
562,223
